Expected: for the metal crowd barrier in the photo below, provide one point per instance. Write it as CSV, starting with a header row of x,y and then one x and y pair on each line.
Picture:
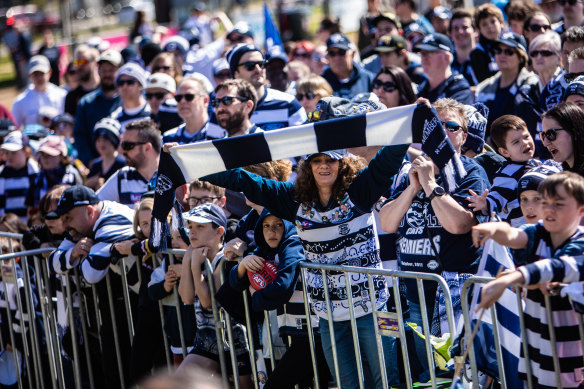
x,y
474,380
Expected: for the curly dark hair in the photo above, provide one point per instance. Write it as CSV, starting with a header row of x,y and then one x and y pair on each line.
x,y
305,187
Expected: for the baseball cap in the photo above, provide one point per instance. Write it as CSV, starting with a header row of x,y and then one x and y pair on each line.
x,y
15,141
434,42
390,42
62,118
241,28
335,154
176,43
161,80
389,17
133,70
338,40
512,39
276,52
108,128
219,65
53,145
111,56
441,12
75,196
39,63
576,87
207,213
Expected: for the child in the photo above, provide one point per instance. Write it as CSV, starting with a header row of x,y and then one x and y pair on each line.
x,y
16,174
278,243
489,21
529,197
514,142
552,252
161,287
106,137
207,225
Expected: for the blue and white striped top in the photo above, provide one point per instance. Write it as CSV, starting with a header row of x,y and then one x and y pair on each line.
x,y
278,110
14,185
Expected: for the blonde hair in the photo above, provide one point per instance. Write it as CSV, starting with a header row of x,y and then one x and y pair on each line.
x,y
315,84
146,204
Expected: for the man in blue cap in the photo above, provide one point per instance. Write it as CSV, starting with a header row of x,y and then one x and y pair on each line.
x,y
346,77
436,51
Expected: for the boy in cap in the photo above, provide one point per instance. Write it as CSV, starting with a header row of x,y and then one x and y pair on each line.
x,y
207,224
16,174
39,94
106,137
130,81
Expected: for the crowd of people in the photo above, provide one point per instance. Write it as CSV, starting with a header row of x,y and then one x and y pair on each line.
x,y
80,168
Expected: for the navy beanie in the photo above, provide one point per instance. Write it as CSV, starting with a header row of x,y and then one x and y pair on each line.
x,y
532,179
109,129
234,55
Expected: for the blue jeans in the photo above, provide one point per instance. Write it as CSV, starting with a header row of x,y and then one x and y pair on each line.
x,y
416,317
368,345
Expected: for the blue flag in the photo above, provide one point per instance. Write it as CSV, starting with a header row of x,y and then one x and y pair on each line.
x,y
272,34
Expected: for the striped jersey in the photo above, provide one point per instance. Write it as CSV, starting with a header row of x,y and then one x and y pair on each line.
x,y
115,224
502,199
126,186
278,110
179,135
127,116
45,180
14,185
566,266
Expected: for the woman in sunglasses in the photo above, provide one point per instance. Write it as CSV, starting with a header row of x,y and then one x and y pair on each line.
x,y
544,51
563,135
536,24
310,90
393,87
508,91
166,63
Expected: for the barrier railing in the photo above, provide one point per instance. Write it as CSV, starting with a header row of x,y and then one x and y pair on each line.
x,y
45,359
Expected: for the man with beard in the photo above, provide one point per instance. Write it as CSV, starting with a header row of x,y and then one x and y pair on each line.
x,y
192,105
234,106
96,105
274,109
140,145
85,64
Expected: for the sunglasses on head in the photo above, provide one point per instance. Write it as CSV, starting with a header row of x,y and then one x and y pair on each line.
x,y
80,62
507,52
226,100
308,95
130,81
127,146
337,53
543,53
539,27
551,134
158,95
251,65
159,68
452,126
387,86
571,2
187,96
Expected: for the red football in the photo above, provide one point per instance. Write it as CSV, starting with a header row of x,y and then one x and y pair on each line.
x,y
264,277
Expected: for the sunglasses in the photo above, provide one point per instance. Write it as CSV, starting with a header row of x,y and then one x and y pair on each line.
x,y
543,53
452,126
127,146
551,134
571,2
236,39
387,86
126,82
336,53
80,62
194,201
226,100
539,27
302,55
507,52
251,65
308,95
187,96
158,95
159,68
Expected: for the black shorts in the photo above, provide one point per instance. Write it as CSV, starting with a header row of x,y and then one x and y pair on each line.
x,y
206,346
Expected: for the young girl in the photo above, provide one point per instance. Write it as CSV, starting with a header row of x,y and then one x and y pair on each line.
x,y
106,137
161,286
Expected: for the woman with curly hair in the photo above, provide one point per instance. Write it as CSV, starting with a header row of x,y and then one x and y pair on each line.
x,y
331,205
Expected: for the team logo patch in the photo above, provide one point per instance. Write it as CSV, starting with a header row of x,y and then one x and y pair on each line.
x,y
433,264
163,184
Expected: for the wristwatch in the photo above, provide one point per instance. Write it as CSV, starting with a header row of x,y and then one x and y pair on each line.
x,y
436,192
